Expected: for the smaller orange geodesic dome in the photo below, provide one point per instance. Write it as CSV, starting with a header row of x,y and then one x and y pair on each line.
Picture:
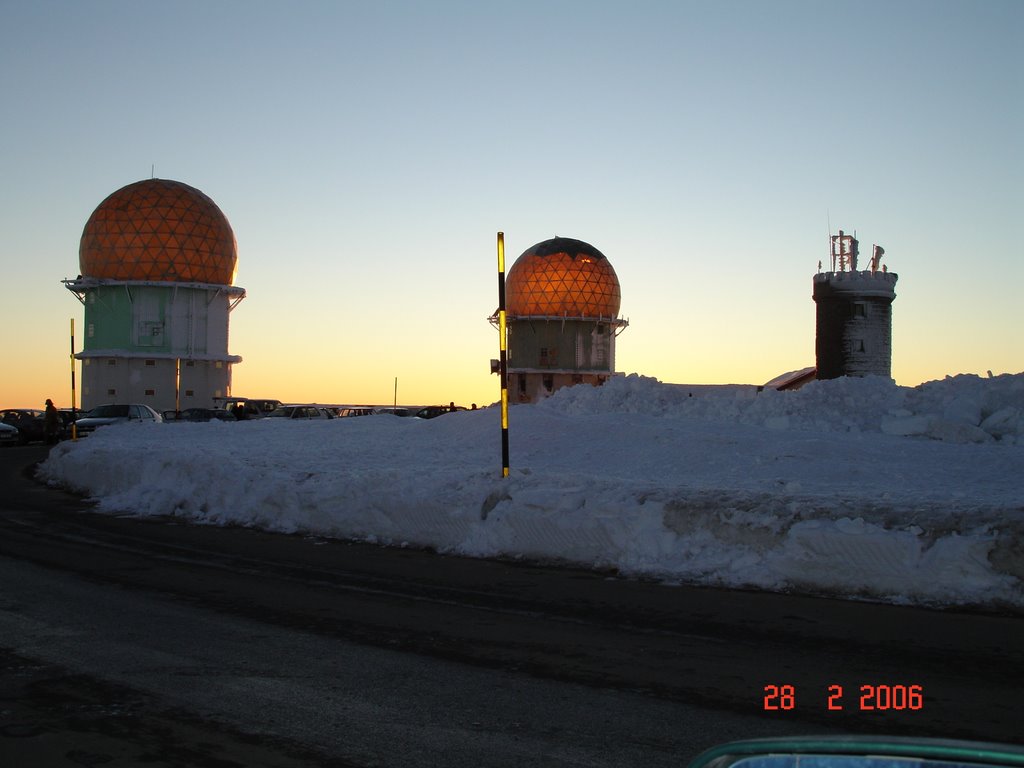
x,y
565,278
158,229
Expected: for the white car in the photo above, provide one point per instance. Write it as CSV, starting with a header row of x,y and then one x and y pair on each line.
x,y
300,412
114,413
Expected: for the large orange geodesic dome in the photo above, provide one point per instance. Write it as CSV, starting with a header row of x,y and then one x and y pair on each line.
x,y
562,277
159,229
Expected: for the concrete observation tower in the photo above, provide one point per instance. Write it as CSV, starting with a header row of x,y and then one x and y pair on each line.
x,y
563,300
157,261
854,313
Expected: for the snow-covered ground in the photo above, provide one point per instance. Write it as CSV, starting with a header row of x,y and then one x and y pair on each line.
x,y
852,487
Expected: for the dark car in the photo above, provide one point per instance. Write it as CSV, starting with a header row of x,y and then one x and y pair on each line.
x,y
392,411
433,411
67,419
8,435
247,407
200,414
29,422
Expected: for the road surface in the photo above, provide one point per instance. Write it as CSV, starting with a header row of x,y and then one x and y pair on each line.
x,y
128,641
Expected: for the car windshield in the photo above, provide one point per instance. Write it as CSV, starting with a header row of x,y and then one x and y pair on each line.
x,y
109,411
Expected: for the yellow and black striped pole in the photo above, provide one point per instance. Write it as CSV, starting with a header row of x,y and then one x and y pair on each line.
x,y
74,428
503,356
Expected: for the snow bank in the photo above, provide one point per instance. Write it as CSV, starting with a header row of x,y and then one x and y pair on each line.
x,y
959,409
853,487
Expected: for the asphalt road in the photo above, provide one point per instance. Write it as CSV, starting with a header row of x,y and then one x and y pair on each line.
x,y
130,642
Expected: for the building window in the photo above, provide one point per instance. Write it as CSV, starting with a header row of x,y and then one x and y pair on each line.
x,y
111,362
190,364
151,362
548,381
549,356
111,392
577,378
859,310
521,384
189,393
150,392
151,333
91,330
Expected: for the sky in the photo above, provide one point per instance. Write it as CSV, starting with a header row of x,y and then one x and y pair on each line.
x,y
366,155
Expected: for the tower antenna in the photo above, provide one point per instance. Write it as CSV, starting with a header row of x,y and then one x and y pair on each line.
x,y
828,223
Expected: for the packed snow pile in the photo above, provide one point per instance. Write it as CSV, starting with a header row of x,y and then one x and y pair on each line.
x,y
961,409
854,487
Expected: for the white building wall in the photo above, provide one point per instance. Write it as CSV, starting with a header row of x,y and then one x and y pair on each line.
x,y
141,337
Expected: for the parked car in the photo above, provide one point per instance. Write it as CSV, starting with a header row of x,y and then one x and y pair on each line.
x,y
392,411
305,412
247,407
199,414
347,412
29,422
67,418
8,435
114,413
433,411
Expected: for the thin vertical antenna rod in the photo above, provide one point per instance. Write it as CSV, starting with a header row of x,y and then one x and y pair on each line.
x,y
828,221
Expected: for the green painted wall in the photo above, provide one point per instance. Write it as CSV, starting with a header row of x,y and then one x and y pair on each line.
x,y
568,346
136,322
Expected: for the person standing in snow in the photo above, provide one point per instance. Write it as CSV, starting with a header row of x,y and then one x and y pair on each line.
x,y
51,423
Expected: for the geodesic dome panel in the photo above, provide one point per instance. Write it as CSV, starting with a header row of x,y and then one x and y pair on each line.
x,y
159,229
562,277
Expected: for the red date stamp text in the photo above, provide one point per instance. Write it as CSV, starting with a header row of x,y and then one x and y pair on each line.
x,y
870,698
